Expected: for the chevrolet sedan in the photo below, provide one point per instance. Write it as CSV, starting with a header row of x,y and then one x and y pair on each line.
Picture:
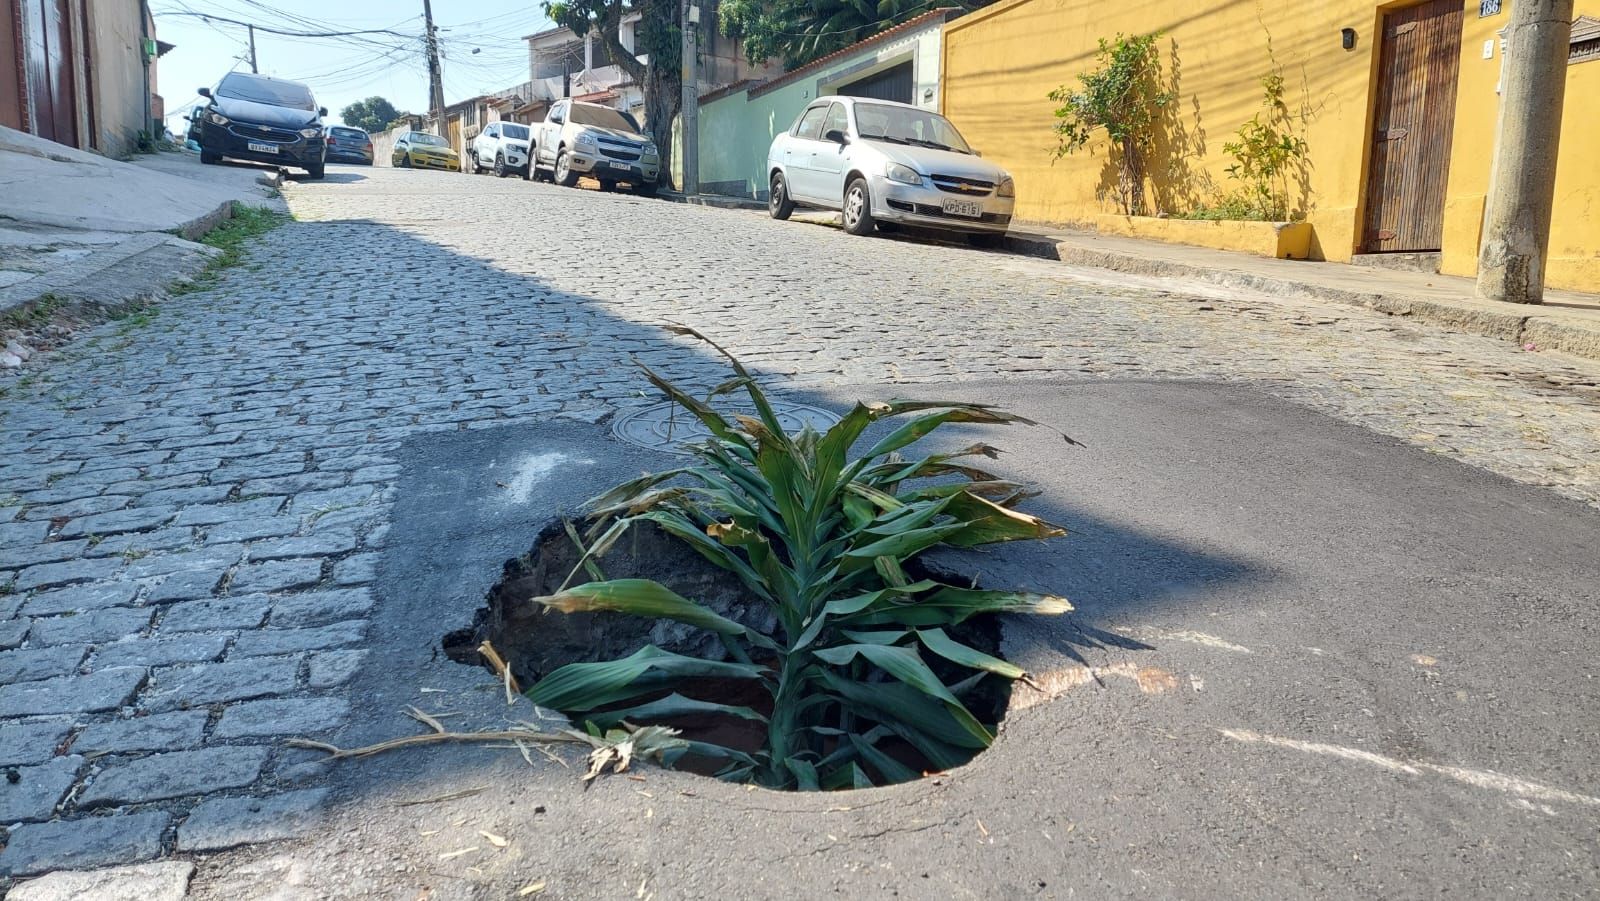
x,y
420,150
877,162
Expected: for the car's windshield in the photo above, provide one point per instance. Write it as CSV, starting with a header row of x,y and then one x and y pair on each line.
x,y
903,125
515,132
240,86
602,117
427,140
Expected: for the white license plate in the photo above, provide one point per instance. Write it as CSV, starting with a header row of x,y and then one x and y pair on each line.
x,y
262,148
969,208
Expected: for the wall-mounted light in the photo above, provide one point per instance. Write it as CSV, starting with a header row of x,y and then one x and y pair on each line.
x,y
1347,37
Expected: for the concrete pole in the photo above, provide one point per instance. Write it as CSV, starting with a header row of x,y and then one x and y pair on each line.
x,y
689,118
253,69
435,77
1522,184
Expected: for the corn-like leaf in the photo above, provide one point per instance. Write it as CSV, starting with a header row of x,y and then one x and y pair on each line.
x,y
587,686
640,597
911,714
709,417
848,775
904,544
670,706
905,664
939,642
626,492
945,606
890,769
805,775
986,522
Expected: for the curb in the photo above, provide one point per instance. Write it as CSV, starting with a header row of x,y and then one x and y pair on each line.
x,y
138,269
1546,331
196,228
719,201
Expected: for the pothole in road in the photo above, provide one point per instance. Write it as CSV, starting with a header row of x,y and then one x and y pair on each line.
x,y
534,643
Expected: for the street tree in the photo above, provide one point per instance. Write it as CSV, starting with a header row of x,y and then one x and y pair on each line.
x,y
799,31
656,38
370,115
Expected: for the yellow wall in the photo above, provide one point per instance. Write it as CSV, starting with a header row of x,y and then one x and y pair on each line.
x,y
1002,61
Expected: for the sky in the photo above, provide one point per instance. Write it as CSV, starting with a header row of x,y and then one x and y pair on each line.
x,y
481,43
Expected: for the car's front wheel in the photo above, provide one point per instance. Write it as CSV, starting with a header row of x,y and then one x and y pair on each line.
x,y
405,161
564,175
858,208
499,165
779,204
317,171
648,189
209,158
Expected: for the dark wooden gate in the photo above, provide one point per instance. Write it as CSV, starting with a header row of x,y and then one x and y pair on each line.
x,y
895,83
1411,127
49,61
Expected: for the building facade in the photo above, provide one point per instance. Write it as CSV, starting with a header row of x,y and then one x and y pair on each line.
x,y
81,72
1397,103
738,123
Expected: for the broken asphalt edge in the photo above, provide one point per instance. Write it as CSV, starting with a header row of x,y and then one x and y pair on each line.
x,y
1545,330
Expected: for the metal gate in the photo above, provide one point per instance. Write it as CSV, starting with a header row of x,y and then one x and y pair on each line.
x,y
49,71
895,83
1411,127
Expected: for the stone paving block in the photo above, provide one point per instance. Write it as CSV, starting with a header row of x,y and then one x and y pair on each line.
x,y
184,585
183,497
185,647
158,732
99,841
359,569
315,608
105,689
246,612
337,498
242,511
165,881
251,530
13,633
139,519
80,598
31,741
49,552
177,687
325,545
34,664
293,485
174,774
88,506
332,668
287,716
37,789
278,575
284,641
50,575
14,533
134,545
227,822
215,559
88,628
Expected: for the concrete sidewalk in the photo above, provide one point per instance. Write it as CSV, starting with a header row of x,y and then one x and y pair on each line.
x,y
81,227
1567,321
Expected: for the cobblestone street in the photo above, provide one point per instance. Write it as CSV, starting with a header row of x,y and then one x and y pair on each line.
x,y
192,502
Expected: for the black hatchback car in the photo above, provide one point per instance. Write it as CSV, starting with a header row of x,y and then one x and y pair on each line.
x,y
265,120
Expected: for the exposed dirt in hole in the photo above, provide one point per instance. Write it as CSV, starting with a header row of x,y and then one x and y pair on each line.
x,y
535,643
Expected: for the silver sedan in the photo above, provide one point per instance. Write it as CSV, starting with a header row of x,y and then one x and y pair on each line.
x,y
877,161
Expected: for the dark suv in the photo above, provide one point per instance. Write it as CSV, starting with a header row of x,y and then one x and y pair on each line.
x,y
267,120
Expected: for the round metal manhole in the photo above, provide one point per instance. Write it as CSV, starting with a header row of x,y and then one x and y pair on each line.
x,y
669,427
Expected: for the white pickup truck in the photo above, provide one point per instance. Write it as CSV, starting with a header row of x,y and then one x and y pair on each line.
x,y
579,138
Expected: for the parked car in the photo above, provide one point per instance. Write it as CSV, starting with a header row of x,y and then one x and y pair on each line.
x,y
877,161
420,150
267,120
349,145
579,138
504,147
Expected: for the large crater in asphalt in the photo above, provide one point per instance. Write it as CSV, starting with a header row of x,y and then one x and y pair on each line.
x,y
534,642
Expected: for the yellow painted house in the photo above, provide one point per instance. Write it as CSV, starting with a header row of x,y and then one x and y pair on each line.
x,y
1397,103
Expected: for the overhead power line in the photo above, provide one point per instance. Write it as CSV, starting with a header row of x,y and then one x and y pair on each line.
x,y
286,33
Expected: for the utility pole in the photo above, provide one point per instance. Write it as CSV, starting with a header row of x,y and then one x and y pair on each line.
x,y
435,79
253,69
689,118
1522,183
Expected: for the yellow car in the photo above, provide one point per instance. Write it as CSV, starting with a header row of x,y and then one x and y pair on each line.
x,y
420,150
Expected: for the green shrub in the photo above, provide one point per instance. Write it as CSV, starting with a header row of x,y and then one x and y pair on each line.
x,y
823,540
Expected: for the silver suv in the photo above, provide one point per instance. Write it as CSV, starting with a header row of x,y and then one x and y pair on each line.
x,y
579,138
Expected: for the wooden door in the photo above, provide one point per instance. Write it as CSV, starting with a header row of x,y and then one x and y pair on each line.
x,y
49,63
1410,159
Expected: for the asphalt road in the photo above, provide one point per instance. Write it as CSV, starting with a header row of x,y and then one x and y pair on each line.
x,y
1307,661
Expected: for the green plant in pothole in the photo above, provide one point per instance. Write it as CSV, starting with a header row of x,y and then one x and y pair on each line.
x,y
230,236
850,677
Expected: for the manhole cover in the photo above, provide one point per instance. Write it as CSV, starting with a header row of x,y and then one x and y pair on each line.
x,y
670,428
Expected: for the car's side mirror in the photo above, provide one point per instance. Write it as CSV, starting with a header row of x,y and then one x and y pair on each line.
x,y
837,137
204,92
322,111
